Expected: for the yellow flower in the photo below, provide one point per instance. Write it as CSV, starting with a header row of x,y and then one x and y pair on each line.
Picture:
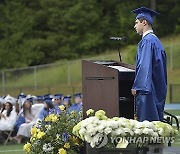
x,y
73,114
27,147
76,129
75,140
47,119
62,107
54,119
40,135
67,145
32,139
115,118
51,117
33,131
62,151
89,112
100,114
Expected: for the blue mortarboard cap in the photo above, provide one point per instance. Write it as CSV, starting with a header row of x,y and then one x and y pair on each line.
x,y
145,13
78,95
30,99
48,100
67,98
21,95
48,96
39,98
58,96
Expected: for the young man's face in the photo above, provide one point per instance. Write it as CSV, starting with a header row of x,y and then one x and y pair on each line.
x,y
77,100
139,26
57,101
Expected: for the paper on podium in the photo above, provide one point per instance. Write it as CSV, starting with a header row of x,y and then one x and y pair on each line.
x,y
122,69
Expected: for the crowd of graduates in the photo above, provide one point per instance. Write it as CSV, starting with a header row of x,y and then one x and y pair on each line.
x,y
19,115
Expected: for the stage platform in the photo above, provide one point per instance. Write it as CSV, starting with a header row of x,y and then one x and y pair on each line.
x,y
171,150
172,106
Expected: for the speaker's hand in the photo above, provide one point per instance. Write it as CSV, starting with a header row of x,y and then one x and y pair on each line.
x,y
133,92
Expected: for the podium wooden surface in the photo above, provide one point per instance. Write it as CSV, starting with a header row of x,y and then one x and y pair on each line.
x,y
107,88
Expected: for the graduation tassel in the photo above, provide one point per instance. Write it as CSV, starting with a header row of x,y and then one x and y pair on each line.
x,y
135,109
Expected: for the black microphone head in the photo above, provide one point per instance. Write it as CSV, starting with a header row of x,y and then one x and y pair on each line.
x,y
124,38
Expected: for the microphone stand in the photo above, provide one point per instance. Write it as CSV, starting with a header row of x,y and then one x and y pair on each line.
x,y
119,51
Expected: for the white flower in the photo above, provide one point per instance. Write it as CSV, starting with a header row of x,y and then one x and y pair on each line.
x,y
138,131
161,131
139,125
127,130
47,147
88,138
82,131
148,124
91,132
133,123
145,131
113,124
84,124
107,130
100,128
120,131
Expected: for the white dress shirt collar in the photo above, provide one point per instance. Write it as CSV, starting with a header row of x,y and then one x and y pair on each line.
x,y
147,32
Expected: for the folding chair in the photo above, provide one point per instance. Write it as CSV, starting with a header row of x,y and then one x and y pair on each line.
x,y
8,133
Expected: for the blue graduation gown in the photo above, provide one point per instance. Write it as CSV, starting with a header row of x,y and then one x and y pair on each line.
x,y
44,113
75,107
57,110
150,79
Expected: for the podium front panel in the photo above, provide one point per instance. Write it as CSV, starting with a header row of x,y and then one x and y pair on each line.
x,y
108,89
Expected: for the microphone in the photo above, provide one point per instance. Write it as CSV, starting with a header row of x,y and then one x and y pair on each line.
x,y
123,39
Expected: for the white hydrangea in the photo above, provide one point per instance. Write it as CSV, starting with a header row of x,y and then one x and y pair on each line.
x,y
93,129
47,147
138,131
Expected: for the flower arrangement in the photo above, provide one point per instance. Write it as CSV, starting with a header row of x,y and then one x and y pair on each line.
x,y
100,131
54,135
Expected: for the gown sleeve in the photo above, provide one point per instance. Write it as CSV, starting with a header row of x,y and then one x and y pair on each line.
x,y
143,77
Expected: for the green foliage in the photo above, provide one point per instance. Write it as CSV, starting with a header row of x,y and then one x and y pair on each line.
x,y
54,133
36,32
131,54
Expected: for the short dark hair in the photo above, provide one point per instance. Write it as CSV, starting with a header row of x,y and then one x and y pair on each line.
x,y
141,20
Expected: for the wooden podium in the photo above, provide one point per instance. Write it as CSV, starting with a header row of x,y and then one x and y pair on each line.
x,y
107,85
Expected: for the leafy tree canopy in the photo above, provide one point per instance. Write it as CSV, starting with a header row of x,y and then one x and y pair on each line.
x,y
36,32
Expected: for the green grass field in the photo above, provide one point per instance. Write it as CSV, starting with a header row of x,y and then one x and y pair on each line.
x,y
12,149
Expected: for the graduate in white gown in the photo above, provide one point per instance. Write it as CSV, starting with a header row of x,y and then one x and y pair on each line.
x,y
7,117
30,113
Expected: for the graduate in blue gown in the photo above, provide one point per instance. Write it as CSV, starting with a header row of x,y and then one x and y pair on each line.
x,y
150,84
77,106
48,109
57,101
